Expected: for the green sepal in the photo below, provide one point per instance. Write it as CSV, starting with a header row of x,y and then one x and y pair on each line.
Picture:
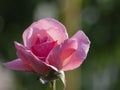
x,y
53,75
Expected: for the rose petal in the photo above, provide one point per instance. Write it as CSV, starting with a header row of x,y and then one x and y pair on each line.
x,y
81,53
17,64
58,56
55,29
71,53
43,28
20,47
43,49
33,36
30,59
83,43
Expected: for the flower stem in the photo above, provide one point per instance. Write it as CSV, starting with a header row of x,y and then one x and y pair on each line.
x,y
53,85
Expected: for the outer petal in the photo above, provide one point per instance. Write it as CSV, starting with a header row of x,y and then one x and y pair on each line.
x,y
58,57
17,64
81,53
46,27
83,43
30,59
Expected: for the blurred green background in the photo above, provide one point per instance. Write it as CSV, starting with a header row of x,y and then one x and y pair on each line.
x,y
99,19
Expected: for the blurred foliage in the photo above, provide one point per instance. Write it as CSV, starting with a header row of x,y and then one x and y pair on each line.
x,y
100,21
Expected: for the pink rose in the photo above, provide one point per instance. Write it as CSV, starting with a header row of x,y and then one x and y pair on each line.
x,y
47,47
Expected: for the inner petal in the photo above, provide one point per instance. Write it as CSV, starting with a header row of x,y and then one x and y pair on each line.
x,y
39,39
43,49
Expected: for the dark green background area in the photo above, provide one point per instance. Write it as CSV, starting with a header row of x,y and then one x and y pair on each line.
x,y
101,23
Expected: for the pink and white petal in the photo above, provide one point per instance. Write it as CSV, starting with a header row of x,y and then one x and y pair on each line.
x,y
55,29
53,58
43,49
38,66
20,47
17,64
79,56
31,36
57,56
83,43
74,62
67,49
34,62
